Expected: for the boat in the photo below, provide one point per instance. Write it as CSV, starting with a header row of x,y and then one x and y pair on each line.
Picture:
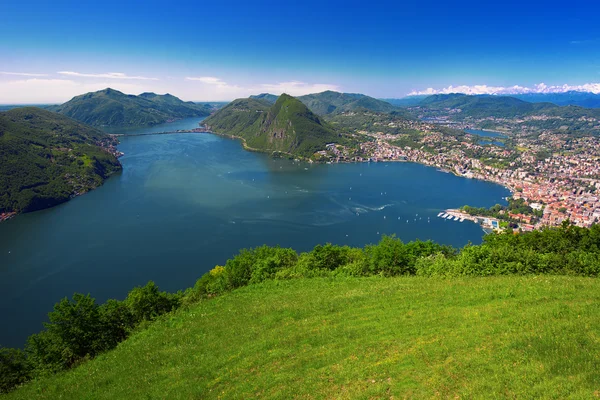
x,y
444,215
456,218
440,214
462,220
450,216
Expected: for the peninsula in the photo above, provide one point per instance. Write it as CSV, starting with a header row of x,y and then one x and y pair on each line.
x,y
47,158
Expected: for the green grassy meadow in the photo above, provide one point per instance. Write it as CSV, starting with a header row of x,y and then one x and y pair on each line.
x,y
359,338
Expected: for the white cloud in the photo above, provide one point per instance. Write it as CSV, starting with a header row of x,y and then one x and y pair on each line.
x,y
22,74
204,88
296,88
499,90
109,75
211,80
216,88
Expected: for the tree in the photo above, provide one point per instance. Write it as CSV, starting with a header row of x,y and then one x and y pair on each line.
x,y
73,333
14,369
147,302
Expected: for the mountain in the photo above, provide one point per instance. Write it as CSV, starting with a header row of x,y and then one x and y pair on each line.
x,y
572,98
111,108
408,101
330,102
503,107
268,97
286,126
47,158
483,106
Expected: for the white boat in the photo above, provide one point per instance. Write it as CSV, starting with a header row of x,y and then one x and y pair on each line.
x,y
440,214
449,216
444,215
456,218
462,220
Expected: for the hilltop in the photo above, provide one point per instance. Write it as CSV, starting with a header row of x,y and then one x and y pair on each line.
x,y
401,319
501,106
286,126
268,97
111,108
405,337
47,158
330,103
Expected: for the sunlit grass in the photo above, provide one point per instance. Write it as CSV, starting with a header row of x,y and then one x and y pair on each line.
x,y
501,337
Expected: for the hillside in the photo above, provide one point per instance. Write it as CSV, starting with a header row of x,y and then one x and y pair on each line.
x,y
502,107
572,98
405,337
287,126
330,102
111,108
268,97
481,106
46,158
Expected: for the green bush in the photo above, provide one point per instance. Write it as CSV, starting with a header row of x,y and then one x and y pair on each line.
x,y
147,302
14,369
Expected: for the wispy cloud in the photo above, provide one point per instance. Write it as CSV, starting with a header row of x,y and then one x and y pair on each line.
x,y
294,88
108,75
50,90
499,90
584,41
22,74
211,80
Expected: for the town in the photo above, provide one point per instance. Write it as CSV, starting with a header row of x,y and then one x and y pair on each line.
x,y
554,172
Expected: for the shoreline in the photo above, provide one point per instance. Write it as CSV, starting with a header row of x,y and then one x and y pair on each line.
x,y
440,169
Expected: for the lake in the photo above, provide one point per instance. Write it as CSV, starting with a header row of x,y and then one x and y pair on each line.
x,y
187,202
487,134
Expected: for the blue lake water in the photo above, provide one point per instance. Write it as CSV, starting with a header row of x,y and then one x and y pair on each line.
x,y
187,202
487,134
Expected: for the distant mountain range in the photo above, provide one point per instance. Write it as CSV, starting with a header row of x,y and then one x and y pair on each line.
x,y
47,158
483,106
581,99
502,106
329,102
111,108
286,126
571,98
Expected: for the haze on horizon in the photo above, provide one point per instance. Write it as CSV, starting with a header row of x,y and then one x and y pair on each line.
x,y
52,51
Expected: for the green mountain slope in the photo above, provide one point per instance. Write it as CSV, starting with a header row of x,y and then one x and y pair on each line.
x,y
481,106
268,97
287,126
502,106
111,108
46,158
405,337
330,102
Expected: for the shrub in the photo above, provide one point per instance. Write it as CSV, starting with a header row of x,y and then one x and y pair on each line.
x,y
147,302
14,369
390,257
215,281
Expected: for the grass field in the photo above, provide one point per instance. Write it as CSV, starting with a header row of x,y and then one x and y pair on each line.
x,y
497,337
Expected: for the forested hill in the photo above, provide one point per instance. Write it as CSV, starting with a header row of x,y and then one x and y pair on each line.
x,y
330,102
46,158
111,108
287,126
501,107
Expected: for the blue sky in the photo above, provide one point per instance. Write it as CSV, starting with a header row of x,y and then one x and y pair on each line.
x,y
52,50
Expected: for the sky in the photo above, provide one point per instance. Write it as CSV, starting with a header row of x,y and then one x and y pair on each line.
x,y
216,50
